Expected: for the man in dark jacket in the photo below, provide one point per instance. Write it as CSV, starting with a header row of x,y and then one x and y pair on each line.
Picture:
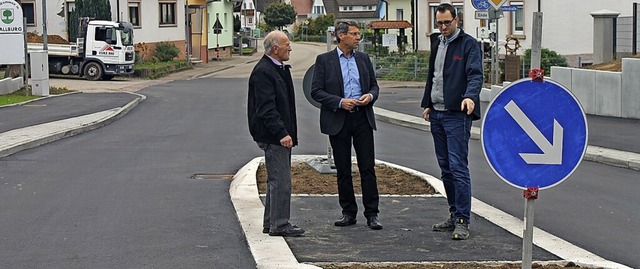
x,y
451,101
272,123
345,85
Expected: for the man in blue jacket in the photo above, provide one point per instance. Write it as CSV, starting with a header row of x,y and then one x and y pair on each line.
x,y
451,101
271,113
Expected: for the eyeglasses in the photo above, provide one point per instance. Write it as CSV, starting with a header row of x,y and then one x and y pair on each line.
x,y
354,33
446,23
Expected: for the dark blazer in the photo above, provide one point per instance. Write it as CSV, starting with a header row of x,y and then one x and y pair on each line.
x,y
327,88
271,107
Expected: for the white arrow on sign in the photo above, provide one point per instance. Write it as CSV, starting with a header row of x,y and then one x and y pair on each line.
x,y
551,154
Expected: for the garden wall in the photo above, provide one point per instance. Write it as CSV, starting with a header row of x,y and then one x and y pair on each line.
x,y
602,93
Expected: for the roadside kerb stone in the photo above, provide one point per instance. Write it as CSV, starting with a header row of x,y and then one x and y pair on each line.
x,y
273,251
33,136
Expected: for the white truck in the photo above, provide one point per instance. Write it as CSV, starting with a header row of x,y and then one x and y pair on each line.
x,y
103,49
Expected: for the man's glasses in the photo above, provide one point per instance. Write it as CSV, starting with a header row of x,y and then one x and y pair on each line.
x,y
354,33
446,23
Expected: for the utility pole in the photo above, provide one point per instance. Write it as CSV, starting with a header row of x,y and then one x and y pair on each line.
x,y
44,24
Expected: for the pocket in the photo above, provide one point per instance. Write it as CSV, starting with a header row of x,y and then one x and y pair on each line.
x,y
262,146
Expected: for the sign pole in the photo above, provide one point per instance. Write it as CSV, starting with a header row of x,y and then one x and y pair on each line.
x,y
536,43
530,194
26,62
496,51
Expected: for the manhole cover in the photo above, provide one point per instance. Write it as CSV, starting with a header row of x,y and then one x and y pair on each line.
x,y
211,177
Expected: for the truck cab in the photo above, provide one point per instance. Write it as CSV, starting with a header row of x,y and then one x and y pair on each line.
x,y
106,49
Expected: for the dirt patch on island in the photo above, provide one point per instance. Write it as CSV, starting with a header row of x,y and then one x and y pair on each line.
x,y
307,180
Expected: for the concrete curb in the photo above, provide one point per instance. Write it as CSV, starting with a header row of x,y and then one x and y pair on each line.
x,y
618,158
269,252
273,252
33,136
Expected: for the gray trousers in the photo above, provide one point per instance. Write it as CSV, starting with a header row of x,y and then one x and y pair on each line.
x,y
277,206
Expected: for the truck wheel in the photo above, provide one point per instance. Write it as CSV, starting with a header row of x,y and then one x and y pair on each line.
x,y
93,71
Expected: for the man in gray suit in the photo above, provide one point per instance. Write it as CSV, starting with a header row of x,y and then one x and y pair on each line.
x,y
271,114
345,85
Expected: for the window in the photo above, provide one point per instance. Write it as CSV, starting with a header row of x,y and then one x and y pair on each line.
x,y
167,13
517,20
318,10
250,20
106,34
134,13
459,13
432,13
29,12
399,14
71,6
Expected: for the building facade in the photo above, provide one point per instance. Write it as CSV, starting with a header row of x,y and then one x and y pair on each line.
x,y
567,25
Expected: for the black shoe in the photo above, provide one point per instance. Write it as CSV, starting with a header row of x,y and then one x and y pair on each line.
x,y
445,226
374,223
461,231
265,230
290,230
345,220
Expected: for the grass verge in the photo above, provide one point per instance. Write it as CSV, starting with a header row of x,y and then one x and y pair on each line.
x,y
20,95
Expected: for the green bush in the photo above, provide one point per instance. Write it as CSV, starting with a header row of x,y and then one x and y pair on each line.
x,y
548,59
402,67
166,51
311,38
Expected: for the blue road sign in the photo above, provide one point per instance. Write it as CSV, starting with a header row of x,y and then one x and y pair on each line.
x,y
534,134
481,4
509,8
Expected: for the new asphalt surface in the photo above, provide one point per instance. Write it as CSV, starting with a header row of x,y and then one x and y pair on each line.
x,y
406,233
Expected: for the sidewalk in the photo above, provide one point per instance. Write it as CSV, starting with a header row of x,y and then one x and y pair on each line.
x,y
48,119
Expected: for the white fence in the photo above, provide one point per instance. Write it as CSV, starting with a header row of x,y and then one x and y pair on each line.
x,y
603,93
9,85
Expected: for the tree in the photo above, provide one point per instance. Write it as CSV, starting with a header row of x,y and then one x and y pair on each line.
x,y
548,58
320,24
236,24
94,9
278,15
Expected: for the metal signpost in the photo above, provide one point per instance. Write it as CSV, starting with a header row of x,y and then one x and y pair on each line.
x,y
491,11
534,136
217,30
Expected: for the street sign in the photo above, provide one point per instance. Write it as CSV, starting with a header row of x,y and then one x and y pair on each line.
x,y
217,27
483,32
11,33
497,3
481,4
509,8
534,134
482,15
389,40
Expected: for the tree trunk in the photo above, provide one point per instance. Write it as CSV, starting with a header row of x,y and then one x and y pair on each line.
x,y
12,71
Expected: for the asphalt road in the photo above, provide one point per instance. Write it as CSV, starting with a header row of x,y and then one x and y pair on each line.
x,y
123,196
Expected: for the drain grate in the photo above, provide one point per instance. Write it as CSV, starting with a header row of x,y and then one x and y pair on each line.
x,y
212,177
